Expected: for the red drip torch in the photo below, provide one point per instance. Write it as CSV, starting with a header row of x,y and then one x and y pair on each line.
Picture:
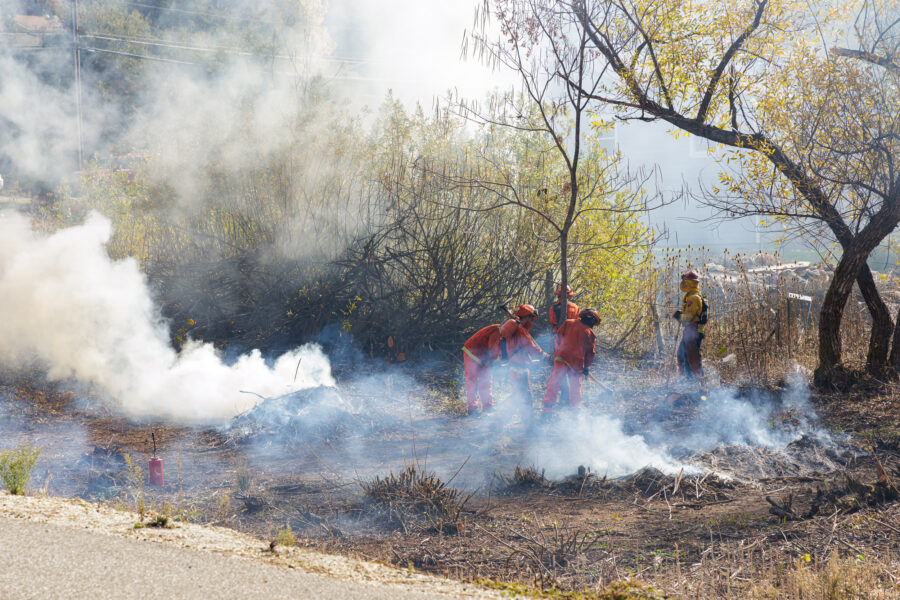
x,y
156,469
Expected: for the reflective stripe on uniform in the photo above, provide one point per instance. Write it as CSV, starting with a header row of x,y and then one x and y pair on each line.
x,y
558,359
472,356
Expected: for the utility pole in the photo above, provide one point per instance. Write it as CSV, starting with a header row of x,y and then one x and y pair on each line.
x,y
77,58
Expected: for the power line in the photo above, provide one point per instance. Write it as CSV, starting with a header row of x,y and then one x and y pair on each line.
x,y
222,16
203,64
139,56
16,48
164,44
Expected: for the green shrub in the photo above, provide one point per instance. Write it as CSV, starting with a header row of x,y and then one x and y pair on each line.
x,y
286,536
16,466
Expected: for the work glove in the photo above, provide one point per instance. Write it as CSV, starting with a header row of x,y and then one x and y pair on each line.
x,y
677,315
585,372
700,337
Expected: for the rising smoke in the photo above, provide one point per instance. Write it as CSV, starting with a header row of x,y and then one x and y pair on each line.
x,y
70,309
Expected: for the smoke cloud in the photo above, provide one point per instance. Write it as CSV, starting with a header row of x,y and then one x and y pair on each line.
x,y
68,308
386,426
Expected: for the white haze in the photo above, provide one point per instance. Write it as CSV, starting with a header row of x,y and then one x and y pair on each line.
x,y
71,310
43,129
601,442
598,442
68,307
596,437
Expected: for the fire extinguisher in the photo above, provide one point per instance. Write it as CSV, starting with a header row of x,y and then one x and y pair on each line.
x,y
156,466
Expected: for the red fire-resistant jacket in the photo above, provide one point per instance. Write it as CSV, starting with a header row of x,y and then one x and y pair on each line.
x,y
571,313
519,346
484,345
575,344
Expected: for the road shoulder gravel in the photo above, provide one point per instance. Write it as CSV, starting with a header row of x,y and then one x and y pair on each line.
x,y
66,516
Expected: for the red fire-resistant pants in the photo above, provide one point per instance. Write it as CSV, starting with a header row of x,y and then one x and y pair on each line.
x,y
562,372
689,362
478,383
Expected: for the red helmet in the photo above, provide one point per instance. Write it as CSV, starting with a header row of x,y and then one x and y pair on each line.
x,y
569,291
590,313
692,275
526,310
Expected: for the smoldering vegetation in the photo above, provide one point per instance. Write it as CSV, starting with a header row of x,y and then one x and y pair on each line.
x,y
380,422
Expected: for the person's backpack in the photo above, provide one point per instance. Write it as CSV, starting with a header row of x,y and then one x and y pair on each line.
x,y
704,310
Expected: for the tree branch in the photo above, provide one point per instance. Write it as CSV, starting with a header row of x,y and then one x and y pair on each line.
x,y
726,58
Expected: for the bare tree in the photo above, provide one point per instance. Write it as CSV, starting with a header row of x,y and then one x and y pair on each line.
x,y
559,75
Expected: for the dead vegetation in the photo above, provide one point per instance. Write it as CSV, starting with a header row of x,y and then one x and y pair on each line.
x,y
846,499
676,535
545,554
524,477
415,498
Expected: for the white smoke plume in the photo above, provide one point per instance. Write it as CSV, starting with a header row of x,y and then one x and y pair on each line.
x,y
599,437
598,442
68,307
721,419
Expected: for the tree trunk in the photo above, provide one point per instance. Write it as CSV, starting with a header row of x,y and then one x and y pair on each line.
x,y
833,311
563,271
548,292
852,267
882,326
895,349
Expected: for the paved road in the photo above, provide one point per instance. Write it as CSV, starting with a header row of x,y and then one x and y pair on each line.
x,y
46,561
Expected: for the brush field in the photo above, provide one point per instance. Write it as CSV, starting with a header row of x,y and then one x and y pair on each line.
x,y
422,488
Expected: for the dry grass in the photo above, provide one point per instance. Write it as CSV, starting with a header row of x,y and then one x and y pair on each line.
x,y
551,550
803,578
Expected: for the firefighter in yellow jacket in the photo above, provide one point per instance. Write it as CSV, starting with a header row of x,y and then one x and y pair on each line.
x,y
692,322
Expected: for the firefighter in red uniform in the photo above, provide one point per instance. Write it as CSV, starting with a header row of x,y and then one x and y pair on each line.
x,y
556,321
556,309
478,352
520,349
574,354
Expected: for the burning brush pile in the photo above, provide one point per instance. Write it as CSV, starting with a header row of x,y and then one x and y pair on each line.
x,y
295,419
804,457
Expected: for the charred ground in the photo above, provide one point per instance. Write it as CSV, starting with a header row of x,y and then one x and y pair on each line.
x,y
397,496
